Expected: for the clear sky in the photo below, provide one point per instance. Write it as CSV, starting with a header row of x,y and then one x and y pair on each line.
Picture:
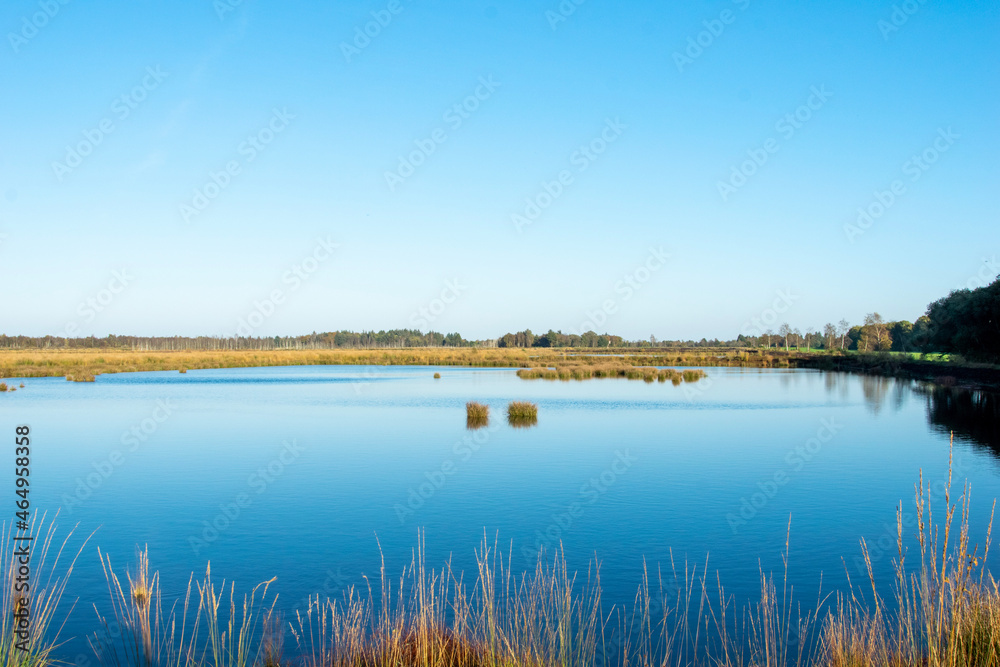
x,y
172,163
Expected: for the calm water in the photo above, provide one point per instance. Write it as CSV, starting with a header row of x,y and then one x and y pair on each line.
x,y
328,462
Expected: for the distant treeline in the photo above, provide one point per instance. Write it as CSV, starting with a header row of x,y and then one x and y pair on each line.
x,y
315,341
966,322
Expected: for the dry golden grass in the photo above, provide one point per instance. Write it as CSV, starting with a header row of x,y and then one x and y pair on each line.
x,y
946,614
573,364
477,415
44,602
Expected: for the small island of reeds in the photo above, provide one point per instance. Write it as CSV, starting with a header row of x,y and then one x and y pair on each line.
x,y
477,415
522,414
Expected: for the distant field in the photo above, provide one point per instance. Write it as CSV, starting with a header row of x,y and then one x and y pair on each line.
x,y
83,365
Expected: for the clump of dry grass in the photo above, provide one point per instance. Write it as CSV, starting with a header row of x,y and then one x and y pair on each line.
x,y
522,409
477,410
522,414
140,632
437,376
477,415
3,386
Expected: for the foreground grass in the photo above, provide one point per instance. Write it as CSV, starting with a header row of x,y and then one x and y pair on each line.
x,y
945,613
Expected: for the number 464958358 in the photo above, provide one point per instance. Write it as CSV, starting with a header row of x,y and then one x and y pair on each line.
x,y
22,460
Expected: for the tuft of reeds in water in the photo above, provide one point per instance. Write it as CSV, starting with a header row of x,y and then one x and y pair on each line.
x,y
477,415
435,619
35,645
3,386
182,370
522,409
522,414
140,633
437,376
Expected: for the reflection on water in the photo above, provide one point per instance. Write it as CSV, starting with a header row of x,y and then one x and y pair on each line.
x,y
522,421
972,414
877,391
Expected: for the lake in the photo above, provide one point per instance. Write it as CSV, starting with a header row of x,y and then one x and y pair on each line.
x,y
313,474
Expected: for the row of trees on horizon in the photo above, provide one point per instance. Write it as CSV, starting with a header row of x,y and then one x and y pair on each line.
x,y
966,322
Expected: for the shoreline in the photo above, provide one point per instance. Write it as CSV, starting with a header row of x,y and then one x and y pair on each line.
x,y
85,364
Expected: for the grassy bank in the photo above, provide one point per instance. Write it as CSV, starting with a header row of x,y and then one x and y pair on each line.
x,y
945,613
569,363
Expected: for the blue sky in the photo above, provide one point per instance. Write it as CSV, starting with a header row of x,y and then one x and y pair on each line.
x,y
641,109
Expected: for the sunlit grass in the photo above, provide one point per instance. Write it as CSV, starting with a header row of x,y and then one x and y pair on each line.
x,y
50,572
477,415
946,613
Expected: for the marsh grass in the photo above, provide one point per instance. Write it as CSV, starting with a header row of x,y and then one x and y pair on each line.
x,y
946,614
437,376
210,625
50,362
575,371
522,414
3,386
477,415
48,583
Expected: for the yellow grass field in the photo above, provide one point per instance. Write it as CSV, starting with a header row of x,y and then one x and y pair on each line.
x,y
83,365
